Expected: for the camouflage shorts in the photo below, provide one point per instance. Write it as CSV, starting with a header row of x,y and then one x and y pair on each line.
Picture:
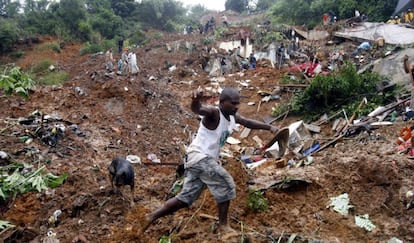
x,y
207,172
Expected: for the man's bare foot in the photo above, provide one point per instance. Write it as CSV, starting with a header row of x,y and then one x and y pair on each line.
x,y
147,222
226,232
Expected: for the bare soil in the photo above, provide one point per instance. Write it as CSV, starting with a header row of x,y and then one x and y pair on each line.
x,y
137,115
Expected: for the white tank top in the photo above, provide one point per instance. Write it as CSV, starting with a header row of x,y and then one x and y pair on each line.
x,y
208,142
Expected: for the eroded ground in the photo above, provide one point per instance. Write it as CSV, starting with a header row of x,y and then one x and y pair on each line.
x,y
134,115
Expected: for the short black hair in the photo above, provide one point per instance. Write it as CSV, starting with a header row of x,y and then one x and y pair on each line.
x,y
228,93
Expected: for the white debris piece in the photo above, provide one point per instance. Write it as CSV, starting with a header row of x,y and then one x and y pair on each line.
x,y
364,222
341,204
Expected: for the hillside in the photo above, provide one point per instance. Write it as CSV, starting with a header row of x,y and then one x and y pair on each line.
x,y
149,114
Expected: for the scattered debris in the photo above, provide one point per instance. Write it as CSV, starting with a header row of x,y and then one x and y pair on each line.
x,y
340,204
364,222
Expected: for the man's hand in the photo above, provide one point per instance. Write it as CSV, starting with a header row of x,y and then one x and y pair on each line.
x,y
274,129
405,58
198,94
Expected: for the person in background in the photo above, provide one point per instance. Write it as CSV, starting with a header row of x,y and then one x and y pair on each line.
x,y
252,61
223,65
410,69
224,18
120,45
109,58
124,58
202,166
134,66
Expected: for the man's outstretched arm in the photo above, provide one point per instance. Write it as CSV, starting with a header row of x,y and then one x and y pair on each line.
x,y
254,124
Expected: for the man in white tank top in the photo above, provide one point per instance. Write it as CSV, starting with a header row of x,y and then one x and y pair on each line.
x,y
202,165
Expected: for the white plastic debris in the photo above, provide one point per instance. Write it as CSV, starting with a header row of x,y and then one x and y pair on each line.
x,y
341,204
394,240
233,141
133,159
172,68
364,222
153,158
3,155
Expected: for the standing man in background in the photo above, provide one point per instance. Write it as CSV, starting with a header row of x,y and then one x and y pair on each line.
x,y
410,69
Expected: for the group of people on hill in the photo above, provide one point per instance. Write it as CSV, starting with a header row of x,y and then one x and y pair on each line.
x,y
208,27
234,60
404,18
126,65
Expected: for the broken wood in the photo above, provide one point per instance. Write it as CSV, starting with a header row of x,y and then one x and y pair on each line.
x,y
163,163
284,114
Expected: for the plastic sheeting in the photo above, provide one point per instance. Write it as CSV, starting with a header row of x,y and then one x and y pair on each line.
x,y
403,5
392,34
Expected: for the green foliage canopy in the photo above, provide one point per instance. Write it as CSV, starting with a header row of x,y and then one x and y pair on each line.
x,y
236,5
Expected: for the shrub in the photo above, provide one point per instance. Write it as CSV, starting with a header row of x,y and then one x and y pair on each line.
x,y
89,48
13,80
53,78
54,46
257,201
17,54
208,40
338,90
42,66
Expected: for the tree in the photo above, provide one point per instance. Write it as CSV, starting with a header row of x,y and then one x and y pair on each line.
x,y
8,34
236,5
71,13
35,6
9,8
106,22
161,14
94,6
124,8
292,12
265,4
195,13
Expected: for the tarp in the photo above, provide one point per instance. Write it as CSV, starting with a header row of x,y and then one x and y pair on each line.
x,y
392,33
312,34
403,5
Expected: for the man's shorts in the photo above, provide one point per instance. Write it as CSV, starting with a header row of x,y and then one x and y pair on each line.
x,y
207,172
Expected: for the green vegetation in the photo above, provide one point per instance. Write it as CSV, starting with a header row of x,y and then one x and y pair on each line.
x,y
257,201
165,239
13,80
53,78
20,178
94,21
5,225
89,48
42,66
54,46
344,89
309,13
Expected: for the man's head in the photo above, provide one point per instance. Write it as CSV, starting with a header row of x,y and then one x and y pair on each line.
x,y
229,101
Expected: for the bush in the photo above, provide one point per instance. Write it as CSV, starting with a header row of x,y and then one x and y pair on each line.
x,y
53,78
8,34
42,66
13,80
17,54
54,46
89,48
339,90
208,40
257,201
